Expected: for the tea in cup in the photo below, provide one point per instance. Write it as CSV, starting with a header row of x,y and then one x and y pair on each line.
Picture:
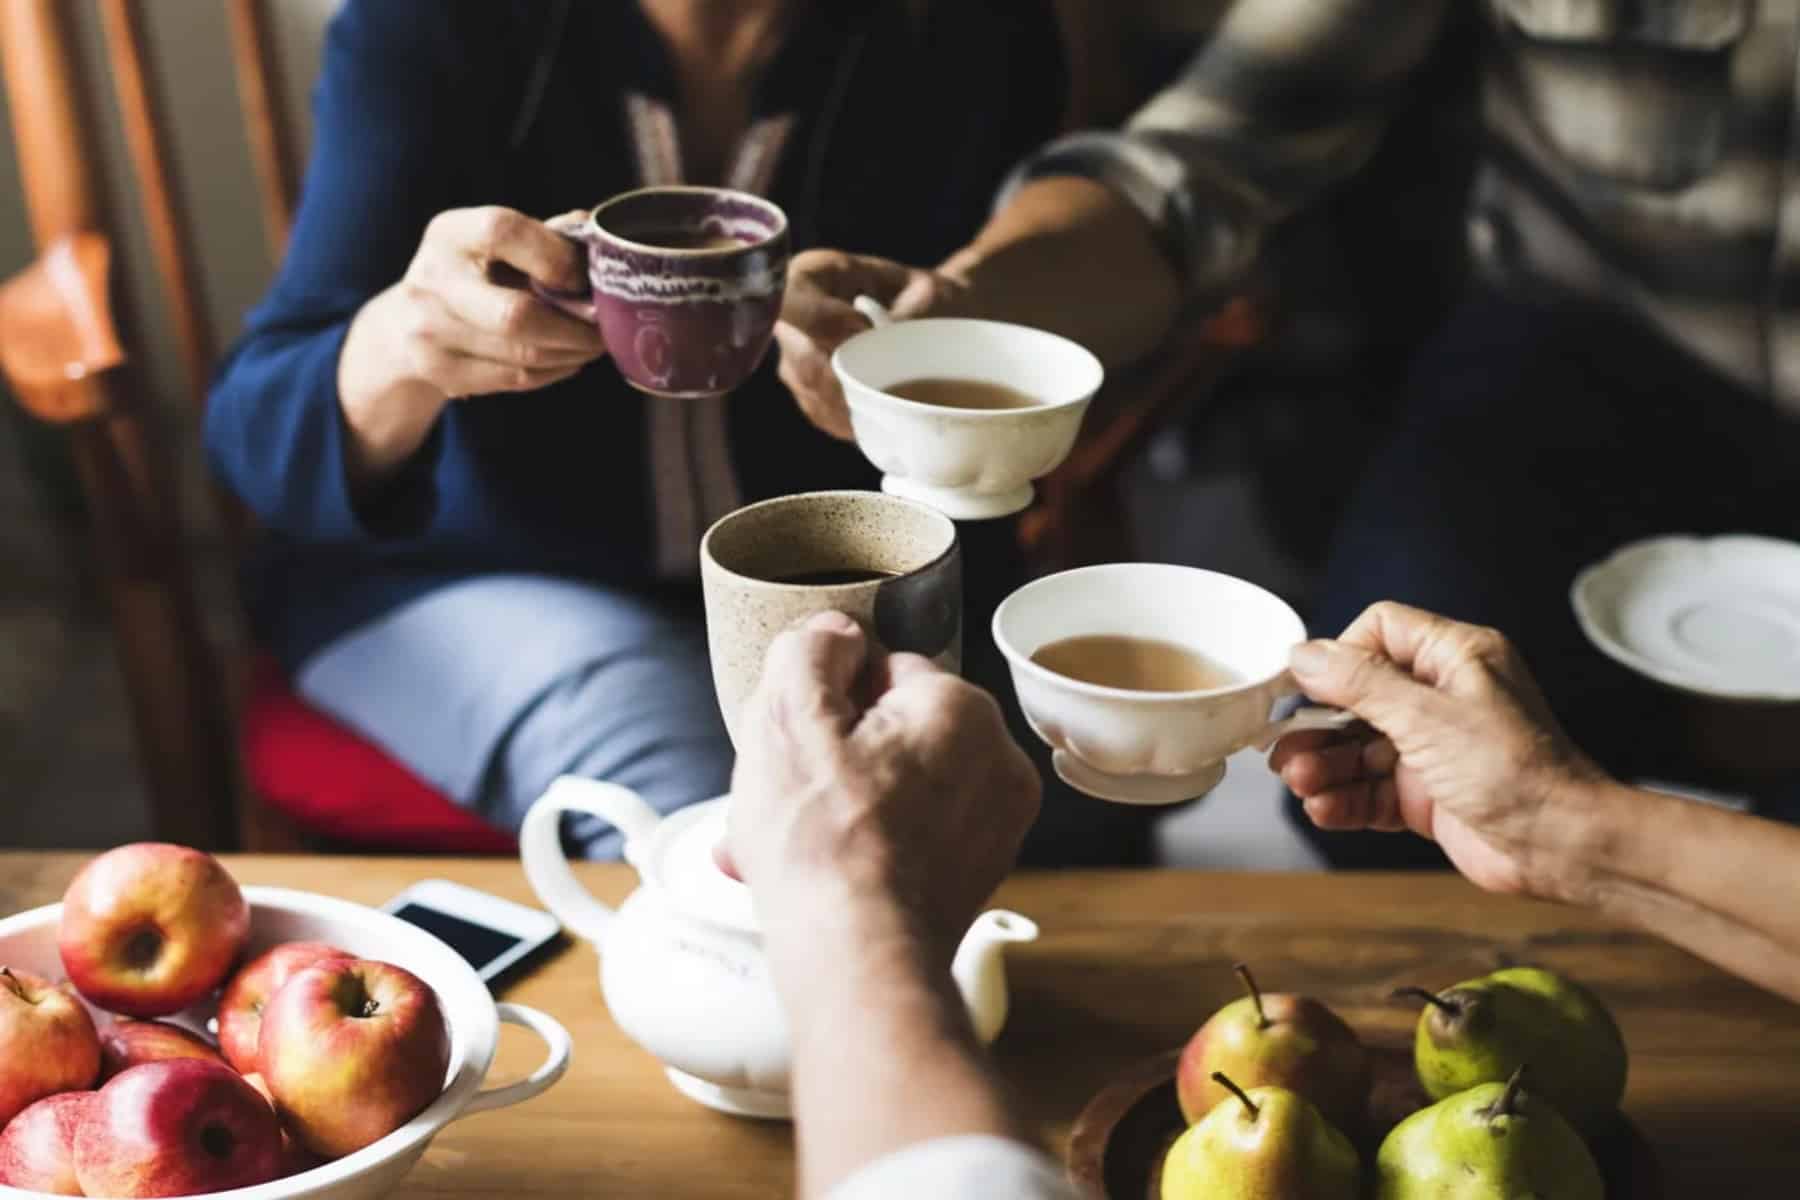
x,y
891,563
963,414
685,285
1145,677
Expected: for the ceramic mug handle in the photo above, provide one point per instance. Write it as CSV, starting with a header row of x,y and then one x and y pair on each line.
x,y
541,850
874,310
1302,720
577,304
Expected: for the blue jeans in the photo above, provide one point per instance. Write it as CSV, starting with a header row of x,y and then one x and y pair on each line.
x,y
491,687
1534,441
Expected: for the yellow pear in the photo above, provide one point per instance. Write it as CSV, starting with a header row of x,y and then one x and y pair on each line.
x,y
1263,1144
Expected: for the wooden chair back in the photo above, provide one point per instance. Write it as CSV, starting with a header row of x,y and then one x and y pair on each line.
x,y
62,356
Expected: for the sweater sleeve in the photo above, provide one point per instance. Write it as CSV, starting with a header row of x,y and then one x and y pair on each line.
x,y
393,125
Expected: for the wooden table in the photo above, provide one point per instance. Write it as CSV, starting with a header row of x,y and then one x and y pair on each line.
x,y
1129,964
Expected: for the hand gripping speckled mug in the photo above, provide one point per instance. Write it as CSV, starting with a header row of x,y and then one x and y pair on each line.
x,y
685,285
893,564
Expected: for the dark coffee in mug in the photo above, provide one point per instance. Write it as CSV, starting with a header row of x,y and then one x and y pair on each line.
x,y
948,392
834,578
1136,664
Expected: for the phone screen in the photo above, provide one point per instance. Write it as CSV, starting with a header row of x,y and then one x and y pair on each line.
x,y
480,944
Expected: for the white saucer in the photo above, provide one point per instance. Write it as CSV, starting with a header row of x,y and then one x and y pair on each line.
x,y
1136,789
1716,616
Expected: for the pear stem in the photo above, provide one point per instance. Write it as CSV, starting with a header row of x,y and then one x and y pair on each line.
x,y
1507,1104
1224,1081
1243,973
1419,993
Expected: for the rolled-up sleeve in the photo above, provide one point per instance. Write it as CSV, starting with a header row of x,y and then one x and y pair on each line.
x,y
960,1168
1281,101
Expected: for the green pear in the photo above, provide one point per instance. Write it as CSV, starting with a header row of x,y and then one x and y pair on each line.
x,y
1264,1144
1492,1142
1483,1030
1276,1040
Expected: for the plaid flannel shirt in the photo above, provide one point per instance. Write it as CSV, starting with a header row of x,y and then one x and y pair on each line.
x,y
1643,153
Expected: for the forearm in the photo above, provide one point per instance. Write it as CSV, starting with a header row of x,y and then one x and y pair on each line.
x,y
387,414
1722,885
1070,255
884,1055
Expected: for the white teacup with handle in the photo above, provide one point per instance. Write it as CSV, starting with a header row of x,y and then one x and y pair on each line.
x,y
1155,747
968,463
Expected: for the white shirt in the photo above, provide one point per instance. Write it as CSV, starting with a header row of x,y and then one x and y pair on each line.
x,y
973,1167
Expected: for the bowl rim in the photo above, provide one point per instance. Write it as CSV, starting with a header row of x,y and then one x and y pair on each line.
x,y
1021,662
481,1042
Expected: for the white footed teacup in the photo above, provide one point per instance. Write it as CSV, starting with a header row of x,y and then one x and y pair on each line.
x,y
969,463
1138,746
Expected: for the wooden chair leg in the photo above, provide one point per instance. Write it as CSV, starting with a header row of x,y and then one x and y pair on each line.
x,y
183,736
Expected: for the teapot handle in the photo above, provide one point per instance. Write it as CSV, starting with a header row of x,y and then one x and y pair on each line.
x,y
547,867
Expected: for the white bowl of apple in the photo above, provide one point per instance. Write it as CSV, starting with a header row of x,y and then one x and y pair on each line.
x,y
346,1039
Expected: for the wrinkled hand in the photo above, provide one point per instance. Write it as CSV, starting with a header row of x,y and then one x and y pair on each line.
x,y
817,318
865,776
1467,751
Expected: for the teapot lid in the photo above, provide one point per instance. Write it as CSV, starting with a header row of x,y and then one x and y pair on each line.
x,y
679,860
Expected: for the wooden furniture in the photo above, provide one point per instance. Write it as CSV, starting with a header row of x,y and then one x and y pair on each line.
x,y
168,666
1129,964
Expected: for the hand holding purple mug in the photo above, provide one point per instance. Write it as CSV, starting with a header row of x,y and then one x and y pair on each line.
x,y
457,324
683,283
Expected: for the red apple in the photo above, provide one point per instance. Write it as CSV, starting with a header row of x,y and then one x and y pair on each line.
x,y
352,1050
295,1158
127,1043
1277,1040
148,929
240,1009
37,1147
176,1128
47,1042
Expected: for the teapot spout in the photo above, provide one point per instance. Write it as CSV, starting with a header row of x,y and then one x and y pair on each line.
x,y
980,967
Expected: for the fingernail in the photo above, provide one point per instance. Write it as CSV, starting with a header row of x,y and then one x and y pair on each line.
x,y
1310,658
832,621
1380,758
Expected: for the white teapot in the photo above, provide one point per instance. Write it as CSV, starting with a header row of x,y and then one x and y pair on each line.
x,y
681,961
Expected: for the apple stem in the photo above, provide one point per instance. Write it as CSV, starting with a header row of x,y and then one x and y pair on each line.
x,y
1243,973
12,982
1224,1081
1419,993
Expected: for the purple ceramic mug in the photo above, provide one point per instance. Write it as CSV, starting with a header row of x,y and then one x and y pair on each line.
x,y
685,285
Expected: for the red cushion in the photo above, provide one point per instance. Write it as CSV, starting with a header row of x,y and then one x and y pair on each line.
x,y
333,784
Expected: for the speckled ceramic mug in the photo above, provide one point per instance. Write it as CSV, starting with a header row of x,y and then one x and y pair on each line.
x,y
768,566
685,285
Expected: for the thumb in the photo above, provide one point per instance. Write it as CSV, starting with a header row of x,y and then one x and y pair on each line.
x,y
1367,684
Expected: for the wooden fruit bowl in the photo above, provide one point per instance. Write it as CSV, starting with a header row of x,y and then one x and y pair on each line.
x,y
1116,1148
